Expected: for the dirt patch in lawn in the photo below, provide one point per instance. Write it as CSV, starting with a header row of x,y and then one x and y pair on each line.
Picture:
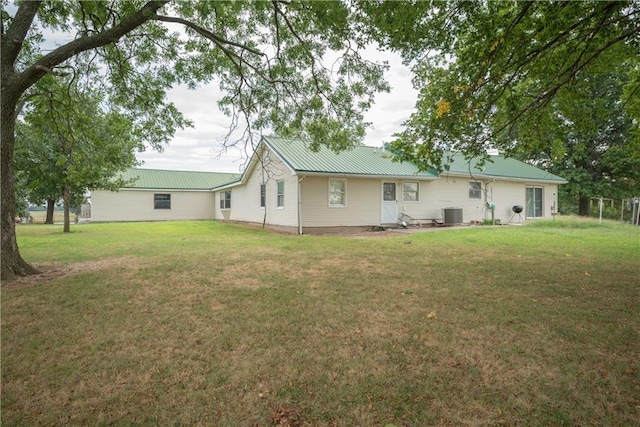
x,y
50,272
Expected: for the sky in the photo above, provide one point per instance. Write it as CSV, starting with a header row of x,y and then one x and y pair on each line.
x,y
199,148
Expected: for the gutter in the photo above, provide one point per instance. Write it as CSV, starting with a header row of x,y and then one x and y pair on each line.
x,y
502,178
358,175
226,186
300,204
204,190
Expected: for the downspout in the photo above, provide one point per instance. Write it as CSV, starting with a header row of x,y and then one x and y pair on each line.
x,y
300,205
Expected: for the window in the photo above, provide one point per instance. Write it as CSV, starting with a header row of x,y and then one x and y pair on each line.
x,y
225,199
162,201
389,191
337,192
475,190
280,194
263,195
534,202
410,192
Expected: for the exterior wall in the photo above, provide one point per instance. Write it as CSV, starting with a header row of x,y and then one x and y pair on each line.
x,y
363,203
453,192
364,198
138,205
245,199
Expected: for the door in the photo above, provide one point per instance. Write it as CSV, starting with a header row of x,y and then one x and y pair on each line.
x,y
389,203
534,202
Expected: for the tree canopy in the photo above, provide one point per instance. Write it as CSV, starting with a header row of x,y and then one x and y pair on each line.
x,y
585,134
71,141
482,68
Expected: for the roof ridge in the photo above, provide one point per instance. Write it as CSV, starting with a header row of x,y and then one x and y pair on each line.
x,y
185,171
309,141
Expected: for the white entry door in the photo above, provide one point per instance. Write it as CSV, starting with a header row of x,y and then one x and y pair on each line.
x,y
389,203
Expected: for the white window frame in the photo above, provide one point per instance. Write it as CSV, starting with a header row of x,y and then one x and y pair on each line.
x,y
470,189
225,203
344,193
279,195
417,192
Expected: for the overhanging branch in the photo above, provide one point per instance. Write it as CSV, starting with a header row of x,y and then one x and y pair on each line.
x,y
207,34
32,74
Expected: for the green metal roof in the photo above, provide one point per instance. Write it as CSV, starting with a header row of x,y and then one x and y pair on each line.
x,y
177,180
363,160
500,166
359,160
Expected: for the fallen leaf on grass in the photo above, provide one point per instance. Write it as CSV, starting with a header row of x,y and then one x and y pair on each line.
x,y
431,315
287,417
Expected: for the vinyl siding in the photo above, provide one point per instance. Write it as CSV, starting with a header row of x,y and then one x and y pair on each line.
x,y
138,205
245,199
453,192
362,203
364,198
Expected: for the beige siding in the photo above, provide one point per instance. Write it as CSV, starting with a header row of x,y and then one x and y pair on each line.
x,y
364,196
363,200
138,205
453,192
245,199
362,208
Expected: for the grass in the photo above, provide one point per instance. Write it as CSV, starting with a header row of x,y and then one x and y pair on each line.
x,y
205,323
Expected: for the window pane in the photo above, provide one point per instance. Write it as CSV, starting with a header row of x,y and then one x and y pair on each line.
x,y
410,192
534,202
280,202
225,200
529,209
389,191
162,201
337,192
475,190
263,194
538,201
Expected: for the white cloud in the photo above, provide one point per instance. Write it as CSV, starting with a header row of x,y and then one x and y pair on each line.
x,y
199,148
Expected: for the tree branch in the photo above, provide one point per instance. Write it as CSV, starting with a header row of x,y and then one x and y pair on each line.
x,y
313,60
234,57
206,33
32,74
16,33
545,97
51,71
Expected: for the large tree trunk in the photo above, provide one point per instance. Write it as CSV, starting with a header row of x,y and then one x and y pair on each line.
x,y
12,263
51,205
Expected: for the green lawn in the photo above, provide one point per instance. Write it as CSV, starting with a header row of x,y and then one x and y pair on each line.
x,y
205,323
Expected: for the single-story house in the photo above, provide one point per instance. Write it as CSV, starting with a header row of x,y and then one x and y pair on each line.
x,y
160,195
287,185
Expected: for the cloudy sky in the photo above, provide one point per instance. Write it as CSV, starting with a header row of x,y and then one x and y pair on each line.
x,y
199,148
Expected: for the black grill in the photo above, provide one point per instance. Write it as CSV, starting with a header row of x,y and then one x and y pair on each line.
x,y
516,208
